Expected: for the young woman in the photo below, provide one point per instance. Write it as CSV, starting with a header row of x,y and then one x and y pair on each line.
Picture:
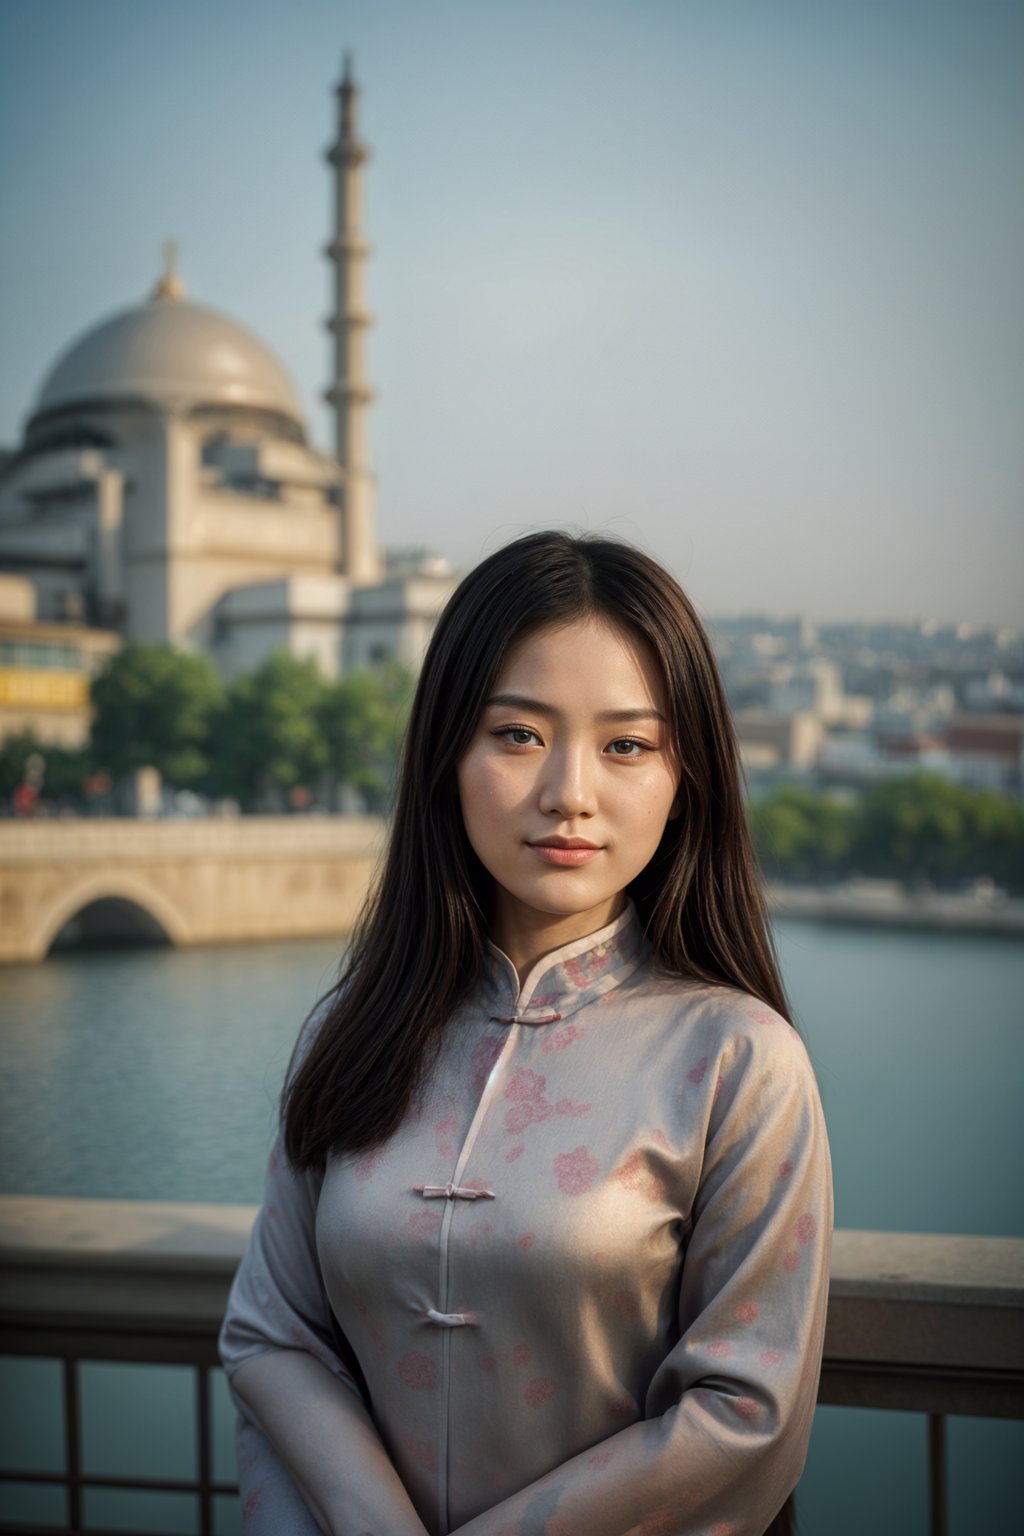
x,y
544,1246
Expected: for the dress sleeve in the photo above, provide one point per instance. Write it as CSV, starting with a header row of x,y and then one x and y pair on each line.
x,y
310,1457
728,1412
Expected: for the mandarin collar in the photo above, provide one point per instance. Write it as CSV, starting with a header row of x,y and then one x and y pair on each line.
x,y
565,979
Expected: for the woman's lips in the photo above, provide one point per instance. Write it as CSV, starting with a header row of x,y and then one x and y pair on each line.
x,y
566,857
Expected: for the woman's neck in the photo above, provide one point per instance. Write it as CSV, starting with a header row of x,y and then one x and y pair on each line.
x,y
526,935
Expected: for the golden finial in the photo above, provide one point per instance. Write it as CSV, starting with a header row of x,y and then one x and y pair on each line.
x,y
170,285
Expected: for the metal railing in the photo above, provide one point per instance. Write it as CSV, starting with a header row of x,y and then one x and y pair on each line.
x,y
924,1324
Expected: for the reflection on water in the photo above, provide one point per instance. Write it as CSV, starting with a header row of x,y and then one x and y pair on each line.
x,y
150,1073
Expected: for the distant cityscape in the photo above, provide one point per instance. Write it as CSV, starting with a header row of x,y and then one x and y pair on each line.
x,y
837,707
841,706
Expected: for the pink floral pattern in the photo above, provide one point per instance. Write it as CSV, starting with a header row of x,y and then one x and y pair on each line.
x,y
444,1130
374,1327
662,1522
421,1226
539,1391
366,1165
530,1105
634,1173
588,967
558,1038
575,1111
576,1171
418,1371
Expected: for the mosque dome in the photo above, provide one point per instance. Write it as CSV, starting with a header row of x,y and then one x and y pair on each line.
x,y
172,353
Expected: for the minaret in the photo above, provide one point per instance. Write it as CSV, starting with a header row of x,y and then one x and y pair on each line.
x,y
350,394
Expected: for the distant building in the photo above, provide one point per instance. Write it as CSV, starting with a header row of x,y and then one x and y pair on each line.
x,y
166,489
815,684
45,669
988,750
769,741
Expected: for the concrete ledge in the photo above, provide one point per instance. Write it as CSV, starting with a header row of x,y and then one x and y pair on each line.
x,y
941,911
915,1321
122,839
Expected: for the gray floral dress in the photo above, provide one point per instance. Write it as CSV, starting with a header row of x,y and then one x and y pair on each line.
x,y
580,1292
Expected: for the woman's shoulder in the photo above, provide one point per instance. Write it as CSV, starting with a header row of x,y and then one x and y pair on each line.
x,y
724,1020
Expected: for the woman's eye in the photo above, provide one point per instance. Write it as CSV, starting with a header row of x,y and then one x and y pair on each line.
x,y
518,735
626,747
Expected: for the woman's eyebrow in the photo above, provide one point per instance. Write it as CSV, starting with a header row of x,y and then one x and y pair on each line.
x,y
537,706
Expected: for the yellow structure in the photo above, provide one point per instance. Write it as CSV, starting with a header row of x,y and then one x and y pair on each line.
x,y
45,669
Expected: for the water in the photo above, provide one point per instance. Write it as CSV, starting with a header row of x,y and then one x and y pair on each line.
x,y
153,1074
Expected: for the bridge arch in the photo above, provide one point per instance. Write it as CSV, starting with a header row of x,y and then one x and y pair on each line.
x,y
117,898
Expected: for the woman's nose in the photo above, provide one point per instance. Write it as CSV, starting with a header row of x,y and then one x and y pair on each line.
x,y
567,788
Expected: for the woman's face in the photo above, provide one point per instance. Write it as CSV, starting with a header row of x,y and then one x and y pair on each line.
x,y
568,782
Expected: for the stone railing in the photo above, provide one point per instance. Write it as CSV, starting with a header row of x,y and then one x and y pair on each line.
x,y
926,1324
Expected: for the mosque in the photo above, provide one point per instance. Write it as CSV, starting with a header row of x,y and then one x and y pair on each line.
x,y
166,490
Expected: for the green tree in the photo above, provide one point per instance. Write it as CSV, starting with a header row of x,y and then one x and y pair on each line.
x,y
918,827
914,828
266,737
997,835
363,719
800,834
153,708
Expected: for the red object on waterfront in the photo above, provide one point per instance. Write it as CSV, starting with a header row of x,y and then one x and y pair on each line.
x,y
25,799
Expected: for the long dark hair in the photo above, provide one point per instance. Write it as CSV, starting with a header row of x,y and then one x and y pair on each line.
x,y
420,940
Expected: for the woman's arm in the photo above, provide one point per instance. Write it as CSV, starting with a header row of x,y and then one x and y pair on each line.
x,y
728,1413
337,1463
280,1349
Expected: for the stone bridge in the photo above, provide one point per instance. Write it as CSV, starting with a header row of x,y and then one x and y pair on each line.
x,y
181,881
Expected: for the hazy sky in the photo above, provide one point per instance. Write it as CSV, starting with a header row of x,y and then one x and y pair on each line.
x,y
739,281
